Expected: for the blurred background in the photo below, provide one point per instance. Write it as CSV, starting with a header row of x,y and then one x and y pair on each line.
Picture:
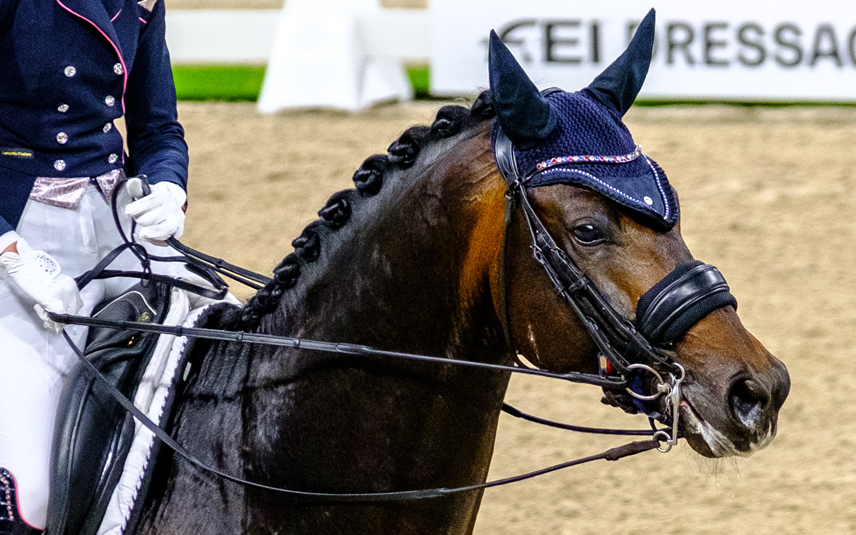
x,y
242,80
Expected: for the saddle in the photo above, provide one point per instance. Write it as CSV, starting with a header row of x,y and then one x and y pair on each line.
x,y
93,433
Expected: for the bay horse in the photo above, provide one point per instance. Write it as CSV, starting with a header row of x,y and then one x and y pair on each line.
x,y
419,258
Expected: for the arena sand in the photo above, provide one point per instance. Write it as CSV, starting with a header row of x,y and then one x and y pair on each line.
x,y
766,195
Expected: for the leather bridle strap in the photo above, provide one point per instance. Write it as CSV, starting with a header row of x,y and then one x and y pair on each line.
x,y
680,300
612,454
615,337
205,262
329,347
200,263
218,286
507,164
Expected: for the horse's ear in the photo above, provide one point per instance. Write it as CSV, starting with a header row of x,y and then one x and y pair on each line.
x,y
617,86
523,114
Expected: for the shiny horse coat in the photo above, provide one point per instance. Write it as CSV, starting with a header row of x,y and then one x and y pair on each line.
x,y
412,260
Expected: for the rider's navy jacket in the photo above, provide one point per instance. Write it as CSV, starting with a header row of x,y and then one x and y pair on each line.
x,y
68,68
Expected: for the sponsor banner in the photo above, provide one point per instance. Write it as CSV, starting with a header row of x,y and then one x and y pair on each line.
x,y
726,50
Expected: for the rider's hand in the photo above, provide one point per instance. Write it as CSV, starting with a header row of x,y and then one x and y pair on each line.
x,y
160,214
39,277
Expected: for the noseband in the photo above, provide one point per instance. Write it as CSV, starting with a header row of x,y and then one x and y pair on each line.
x,y
664,314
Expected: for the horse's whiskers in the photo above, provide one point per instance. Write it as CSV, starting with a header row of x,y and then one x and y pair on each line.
x,y
709,468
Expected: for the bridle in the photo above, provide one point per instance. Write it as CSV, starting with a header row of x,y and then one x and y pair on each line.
x,y
625,351
615,337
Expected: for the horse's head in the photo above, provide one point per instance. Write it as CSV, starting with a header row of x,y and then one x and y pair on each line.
x,y
604,222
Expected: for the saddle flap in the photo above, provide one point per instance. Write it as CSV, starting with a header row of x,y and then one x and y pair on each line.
x,y
93,432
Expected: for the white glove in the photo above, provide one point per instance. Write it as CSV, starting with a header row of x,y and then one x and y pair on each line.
x,y
39,276
159,214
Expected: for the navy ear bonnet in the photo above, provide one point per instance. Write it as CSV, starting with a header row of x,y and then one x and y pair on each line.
x,y
592,148
589,146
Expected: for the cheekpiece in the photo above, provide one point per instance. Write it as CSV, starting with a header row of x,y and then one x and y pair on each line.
x,y
591,147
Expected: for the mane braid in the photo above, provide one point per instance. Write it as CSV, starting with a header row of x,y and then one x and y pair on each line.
x,y
368,181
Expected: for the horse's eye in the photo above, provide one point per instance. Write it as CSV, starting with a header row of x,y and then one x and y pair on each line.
x,y
588,234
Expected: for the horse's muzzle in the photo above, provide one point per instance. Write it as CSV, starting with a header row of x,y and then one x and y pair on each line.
x,y
744,420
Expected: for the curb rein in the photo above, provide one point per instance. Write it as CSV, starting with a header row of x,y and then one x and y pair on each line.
x,y
580,293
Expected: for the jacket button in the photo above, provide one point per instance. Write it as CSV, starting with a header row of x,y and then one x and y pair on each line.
x,y
110,100
59,165
62,108
62,138
70,71
118,69
113,158
108,127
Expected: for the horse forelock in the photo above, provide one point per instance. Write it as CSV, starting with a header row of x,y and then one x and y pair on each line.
x,y
407,159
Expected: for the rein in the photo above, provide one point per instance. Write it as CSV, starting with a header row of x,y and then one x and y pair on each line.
x,y
328,347
612,454
209,267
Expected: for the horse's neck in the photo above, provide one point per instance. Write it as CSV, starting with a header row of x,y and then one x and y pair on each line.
x,y
416,267
414,270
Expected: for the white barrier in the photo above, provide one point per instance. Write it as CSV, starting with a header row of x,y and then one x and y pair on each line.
x,y
319,53
760,50
247,36
320,59
729,50
220,36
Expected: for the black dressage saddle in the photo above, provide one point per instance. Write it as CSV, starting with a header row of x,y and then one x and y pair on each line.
x,y
93,432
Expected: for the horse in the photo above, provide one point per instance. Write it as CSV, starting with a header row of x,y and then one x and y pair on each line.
x,y
425,256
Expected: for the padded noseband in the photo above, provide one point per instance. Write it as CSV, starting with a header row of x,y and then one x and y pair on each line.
x,y
682,298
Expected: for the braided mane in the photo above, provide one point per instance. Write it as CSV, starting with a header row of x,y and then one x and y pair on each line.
x,y
368,181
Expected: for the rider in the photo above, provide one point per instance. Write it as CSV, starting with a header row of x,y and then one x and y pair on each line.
x,y
70,69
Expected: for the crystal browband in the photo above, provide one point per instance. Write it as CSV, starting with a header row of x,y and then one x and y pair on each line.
x,y
637,152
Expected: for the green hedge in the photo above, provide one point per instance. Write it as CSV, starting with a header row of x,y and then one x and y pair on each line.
x,y
234,82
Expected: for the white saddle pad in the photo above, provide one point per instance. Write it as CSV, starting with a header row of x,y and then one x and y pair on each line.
x,y
185,310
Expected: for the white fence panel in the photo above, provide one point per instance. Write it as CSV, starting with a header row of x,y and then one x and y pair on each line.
x,y
247,36
760,50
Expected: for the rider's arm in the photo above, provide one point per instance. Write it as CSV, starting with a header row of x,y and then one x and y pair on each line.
x,y
156,143
8,237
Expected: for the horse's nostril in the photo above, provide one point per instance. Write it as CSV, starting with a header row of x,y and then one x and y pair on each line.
x,y
748,400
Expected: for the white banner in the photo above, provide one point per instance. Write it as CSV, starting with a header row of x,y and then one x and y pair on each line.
x,y
749,50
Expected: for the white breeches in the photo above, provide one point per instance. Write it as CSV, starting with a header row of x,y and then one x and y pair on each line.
x,y
34,362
